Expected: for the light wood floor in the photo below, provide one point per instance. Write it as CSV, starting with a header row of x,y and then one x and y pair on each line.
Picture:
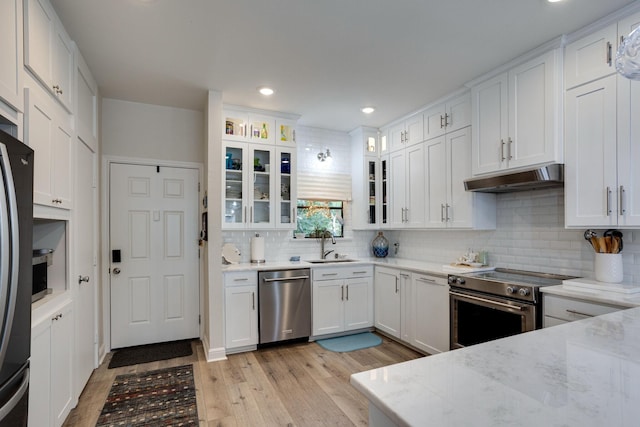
x,y
288,385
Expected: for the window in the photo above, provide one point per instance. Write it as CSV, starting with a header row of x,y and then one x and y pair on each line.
x,y
317,216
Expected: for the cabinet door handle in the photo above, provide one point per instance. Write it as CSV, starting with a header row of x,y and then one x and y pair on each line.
x,y
406,214
396,285
446,211
579,313
446,120
621,199
342,293
442,122
509,145
441,212
347,287
253,301
609,56
244,215
502,158
608,195
251,210
293,215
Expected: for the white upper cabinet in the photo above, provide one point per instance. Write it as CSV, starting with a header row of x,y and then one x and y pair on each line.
x,y
48,50
407,187
515,117
48,132
448,164
591,57
447,117
259,173
86,105
11,48
601,174
406,133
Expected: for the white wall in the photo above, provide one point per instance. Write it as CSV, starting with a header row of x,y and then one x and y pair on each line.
x,y
131,129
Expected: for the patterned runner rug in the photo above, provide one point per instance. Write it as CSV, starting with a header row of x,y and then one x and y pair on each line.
x,y
164,397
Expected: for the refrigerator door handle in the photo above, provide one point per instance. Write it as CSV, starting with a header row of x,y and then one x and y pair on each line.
x,y
15,399
10,221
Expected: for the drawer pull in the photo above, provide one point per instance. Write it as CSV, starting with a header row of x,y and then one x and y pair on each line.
x,y
329,274
243,279
424,279
579,313
359,272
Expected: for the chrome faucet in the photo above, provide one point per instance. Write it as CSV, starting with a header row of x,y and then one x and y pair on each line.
x,y
325,234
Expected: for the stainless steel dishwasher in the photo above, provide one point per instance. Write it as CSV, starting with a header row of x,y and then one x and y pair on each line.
x,y
284,305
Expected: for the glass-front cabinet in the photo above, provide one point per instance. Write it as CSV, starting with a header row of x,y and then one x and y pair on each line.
x,y
259,174
366,180
285,188
249,186
249,127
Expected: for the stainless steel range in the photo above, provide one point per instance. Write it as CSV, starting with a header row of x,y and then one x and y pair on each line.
x,y
496,304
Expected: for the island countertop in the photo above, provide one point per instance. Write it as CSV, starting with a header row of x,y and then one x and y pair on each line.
x,y
584,373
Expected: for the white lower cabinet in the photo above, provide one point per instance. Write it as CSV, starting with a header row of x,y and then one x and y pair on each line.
x,y
342,299
560,309
51,383
241,310
387,301
429,313
413,307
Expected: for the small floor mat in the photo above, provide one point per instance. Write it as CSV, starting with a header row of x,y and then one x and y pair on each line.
x,y
150,353
163,397
350,342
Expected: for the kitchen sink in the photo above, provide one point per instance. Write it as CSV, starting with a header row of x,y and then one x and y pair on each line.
x,y
330,261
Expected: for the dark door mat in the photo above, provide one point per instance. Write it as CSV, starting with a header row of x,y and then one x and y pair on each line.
x,y
150,353
164,397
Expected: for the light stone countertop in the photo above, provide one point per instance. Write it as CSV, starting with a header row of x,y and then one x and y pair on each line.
x,y
594,295
411,265
584,373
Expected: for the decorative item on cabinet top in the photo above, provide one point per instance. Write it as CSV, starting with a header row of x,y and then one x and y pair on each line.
x,y
628,56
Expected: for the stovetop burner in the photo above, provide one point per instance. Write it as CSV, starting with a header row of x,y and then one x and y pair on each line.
x,y
514,284
520,277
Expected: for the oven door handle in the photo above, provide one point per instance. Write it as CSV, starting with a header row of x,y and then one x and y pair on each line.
x,y
488,301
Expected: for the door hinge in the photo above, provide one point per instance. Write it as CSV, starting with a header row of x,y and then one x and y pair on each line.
x,y
157,169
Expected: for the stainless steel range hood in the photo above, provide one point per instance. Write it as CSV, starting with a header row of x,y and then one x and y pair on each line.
x,y
530,179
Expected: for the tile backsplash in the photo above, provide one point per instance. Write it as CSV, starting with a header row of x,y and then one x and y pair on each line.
x,y
530,235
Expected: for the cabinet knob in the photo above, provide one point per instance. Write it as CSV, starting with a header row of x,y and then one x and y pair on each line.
x,y
83,279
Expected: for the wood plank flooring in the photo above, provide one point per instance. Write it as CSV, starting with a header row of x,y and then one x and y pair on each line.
x,y
289,385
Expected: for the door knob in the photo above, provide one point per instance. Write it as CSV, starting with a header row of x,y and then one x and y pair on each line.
x,y
83,279
116,271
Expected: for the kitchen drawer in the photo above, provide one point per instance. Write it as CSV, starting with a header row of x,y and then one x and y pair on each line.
x,y
342,272
569,309
240,278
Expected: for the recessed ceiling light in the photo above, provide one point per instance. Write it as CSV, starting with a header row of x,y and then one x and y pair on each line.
x,y
368,110
266,90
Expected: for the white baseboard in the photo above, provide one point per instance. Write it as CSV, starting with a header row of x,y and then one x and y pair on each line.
x,y
213,354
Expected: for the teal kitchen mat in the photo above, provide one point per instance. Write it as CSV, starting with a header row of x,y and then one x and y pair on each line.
x,y
350,342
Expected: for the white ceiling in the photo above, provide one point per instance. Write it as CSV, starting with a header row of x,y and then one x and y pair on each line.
x,y
325,58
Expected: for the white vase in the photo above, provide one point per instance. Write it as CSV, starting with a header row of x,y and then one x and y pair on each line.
x,y
609,268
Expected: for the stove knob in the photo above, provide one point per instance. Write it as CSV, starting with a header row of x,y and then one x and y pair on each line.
x,y
451,280
524,292
460,281
511,290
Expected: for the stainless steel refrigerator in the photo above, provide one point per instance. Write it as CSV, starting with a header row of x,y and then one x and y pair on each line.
x,y
16,229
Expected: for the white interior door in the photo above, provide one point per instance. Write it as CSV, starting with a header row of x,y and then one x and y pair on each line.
x,y
86,305
154,225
